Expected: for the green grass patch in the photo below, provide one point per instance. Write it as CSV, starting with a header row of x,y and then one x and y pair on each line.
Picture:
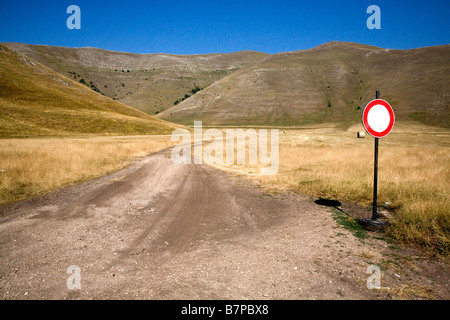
x,y
350,224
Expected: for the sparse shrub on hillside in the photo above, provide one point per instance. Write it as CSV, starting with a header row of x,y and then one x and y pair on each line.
x,y
187,95
91,85
196,89
329,104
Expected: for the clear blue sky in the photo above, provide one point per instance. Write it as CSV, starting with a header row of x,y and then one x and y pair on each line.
x,y
192,26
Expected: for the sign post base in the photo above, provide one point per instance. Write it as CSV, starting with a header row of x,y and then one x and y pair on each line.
x,y
374,225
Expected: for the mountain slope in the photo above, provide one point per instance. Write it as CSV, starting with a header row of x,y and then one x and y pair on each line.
x,y
330,83
36,101
147,82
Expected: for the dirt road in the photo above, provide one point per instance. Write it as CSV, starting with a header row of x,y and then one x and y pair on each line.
x,y
157,230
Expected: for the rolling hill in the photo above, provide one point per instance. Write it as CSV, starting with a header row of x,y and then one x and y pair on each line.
x,y
36,101
328,84
147,82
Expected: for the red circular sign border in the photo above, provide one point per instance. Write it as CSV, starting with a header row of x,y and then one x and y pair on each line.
x,y
366,112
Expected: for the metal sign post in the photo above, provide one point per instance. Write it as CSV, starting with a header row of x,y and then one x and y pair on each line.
x,y
375,174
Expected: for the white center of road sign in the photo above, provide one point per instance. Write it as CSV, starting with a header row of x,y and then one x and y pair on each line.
x,y
378,118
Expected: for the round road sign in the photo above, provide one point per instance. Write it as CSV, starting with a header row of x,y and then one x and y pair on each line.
x,y
378,118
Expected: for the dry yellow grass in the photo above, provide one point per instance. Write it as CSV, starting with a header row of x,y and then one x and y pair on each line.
x,y
414,171
408,292
32,167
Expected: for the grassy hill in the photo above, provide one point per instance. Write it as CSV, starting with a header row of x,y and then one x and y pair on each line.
x,y
36,101
328,84
147,82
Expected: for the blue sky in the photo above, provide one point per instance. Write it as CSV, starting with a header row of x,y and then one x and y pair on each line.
x,y
192,26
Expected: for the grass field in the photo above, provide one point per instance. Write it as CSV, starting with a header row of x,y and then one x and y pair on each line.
x,y
414,171
33,167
